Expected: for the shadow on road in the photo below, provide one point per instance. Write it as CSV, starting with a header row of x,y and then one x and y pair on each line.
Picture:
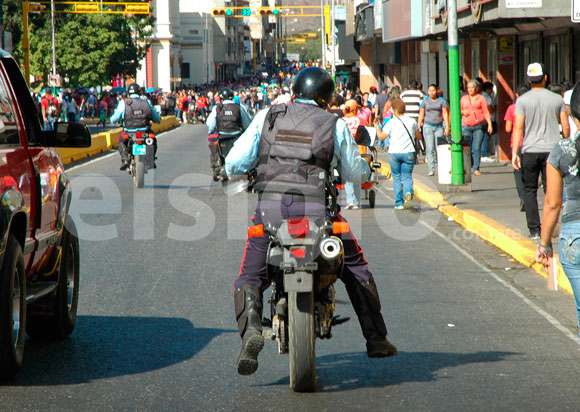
x,y
348,371
108,346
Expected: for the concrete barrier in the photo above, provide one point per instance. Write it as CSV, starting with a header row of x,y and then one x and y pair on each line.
x,y
108,140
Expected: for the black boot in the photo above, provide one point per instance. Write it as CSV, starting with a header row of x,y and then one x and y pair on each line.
x,y
367,305
248,302
123,151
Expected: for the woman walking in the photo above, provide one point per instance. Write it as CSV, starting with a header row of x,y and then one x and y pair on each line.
x,y
434,119
563,167
401,130
474,116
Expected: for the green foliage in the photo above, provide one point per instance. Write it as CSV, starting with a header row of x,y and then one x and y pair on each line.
x,y
90,49
311,50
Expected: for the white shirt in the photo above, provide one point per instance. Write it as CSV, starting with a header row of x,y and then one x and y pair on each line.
x,y
400,141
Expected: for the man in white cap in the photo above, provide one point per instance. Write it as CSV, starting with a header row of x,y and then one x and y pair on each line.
x,y
538,115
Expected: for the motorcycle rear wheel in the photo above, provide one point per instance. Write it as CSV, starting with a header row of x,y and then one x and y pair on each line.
x,y
301,345
139,176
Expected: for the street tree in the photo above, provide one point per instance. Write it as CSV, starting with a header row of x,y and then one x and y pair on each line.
x,y
90,49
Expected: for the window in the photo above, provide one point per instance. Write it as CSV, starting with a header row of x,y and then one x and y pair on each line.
x,y
194,32
9,135
185,71
28,109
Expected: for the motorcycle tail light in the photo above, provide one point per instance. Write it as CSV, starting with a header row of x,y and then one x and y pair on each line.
x,y
139,135
298,226
299,252
139,141
340,227
256,231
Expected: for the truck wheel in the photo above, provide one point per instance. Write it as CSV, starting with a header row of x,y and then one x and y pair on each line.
x,y
59,321
12,309
139,176
301,331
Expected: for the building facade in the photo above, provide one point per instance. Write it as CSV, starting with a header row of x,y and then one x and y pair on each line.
x,y
497,40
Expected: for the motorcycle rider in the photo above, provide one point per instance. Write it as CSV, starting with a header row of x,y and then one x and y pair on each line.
x,y
296,147
136,113
227,120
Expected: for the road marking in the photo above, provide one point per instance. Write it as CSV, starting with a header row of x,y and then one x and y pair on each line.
x,y
552,320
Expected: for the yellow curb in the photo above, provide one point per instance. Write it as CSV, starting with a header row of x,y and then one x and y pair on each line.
x,y
506,239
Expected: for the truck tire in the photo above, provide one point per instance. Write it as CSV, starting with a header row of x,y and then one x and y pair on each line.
x,y
139,177
59,321
12,309
301,344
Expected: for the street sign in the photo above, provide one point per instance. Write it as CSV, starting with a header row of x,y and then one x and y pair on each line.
x,y
53,80
575,11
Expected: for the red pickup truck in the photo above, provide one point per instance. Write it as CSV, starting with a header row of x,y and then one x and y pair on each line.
x,y
39,249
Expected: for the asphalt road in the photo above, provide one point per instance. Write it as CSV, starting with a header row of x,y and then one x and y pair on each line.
x,y
156,328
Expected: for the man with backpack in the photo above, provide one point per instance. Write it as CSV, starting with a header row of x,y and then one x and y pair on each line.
x,y
227,121
136,114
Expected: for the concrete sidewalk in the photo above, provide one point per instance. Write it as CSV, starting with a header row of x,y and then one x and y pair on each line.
x,y
491,210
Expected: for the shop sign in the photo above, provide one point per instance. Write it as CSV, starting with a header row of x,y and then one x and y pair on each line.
x,y
506,44
506,58
575,11
519,4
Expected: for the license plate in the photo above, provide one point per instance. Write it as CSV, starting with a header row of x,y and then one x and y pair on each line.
x,y
139,150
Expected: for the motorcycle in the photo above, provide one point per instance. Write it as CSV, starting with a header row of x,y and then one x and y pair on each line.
x,y
304,260
224,145
141,155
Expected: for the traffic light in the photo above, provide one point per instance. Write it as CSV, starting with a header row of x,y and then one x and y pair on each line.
x,y
269,11
222,12
86,8
137,8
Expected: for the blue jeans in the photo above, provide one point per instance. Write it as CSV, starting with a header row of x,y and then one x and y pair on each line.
x,y
485,145
353,192
431,133
475,135
569,248
402,165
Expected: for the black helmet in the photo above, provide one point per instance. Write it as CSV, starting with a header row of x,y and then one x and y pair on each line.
x,y
226,93
575,102
134,88
314,83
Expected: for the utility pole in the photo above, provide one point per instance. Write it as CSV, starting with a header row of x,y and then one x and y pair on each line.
x,y
457,177
332,40
322,34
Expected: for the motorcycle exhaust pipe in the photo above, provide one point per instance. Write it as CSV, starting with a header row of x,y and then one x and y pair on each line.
x,y
149,141
331,248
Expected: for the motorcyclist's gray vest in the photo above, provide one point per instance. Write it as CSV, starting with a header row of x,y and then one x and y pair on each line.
x,y
137,114
295,151
229,119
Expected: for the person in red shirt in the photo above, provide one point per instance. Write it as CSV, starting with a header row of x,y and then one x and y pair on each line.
x,y
474,116
202,104
50,109
509,118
